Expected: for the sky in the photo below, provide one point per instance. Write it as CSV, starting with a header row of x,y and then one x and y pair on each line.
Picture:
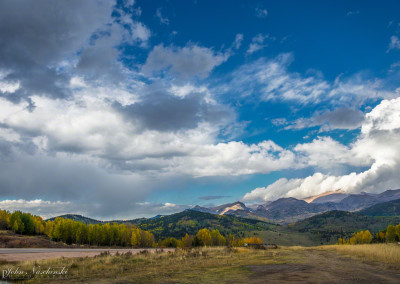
x,y
127,109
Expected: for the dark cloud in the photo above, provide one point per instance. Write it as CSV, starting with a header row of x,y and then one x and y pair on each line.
x,y
159,110
100,61
183,62
213,197
69,179
35,36
343,118
340,118
38,80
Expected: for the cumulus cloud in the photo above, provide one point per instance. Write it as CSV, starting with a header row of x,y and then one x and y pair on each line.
x,y
184,62
44,43
162,111
81,128
31,49
237,158
326,153
377,146
144,136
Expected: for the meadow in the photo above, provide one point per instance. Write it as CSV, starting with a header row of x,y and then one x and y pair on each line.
x,y
338,264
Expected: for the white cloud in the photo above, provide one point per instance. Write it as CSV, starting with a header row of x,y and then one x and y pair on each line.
x,y
163,20
312,185
377,146
326,153
236,158
351,13
394,43
99,131
270,80
257,43
79,126
238,41
7,86
261,13
184,90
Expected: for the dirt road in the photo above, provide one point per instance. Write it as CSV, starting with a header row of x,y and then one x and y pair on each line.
x,y
21,254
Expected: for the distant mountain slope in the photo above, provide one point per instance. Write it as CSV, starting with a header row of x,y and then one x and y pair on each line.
x,y
287,210
388,195
230,208
335,197
190,221
390,208
325,194
78,218
357,201
224,209
203,209
327,226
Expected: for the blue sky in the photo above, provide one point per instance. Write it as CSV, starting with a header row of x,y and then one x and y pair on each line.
x,y
137,108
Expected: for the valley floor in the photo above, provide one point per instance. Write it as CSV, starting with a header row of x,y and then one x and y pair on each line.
x,y
328,264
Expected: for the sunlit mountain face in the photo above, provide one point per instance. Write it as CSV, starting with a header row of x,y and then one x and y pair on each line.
x,y
127,109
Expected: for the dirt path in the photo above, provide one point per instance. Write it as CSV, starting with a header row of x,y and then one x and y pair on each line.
x,y
49,253
318,266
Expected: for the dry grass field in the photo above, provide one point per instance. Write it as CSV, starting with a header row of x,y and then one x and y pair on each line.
x,y
329,264
384,253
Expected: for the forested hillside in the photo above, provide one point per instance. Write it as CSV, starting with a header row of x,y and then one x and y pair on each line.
x,y
391,208
330,226
190,221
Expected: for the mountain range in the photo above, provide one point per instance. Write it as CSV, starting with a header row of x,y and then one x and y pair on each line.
x,y
288,210
286,221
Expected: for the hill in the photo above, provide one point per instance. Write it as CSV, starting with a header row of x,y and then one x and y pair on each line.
x,y
190,221
329,225
391,208
9,239
78,218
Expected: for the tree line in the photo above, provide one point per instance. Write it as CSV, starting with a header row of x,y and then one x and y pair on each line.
x,y
74,232
205,237
390,235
